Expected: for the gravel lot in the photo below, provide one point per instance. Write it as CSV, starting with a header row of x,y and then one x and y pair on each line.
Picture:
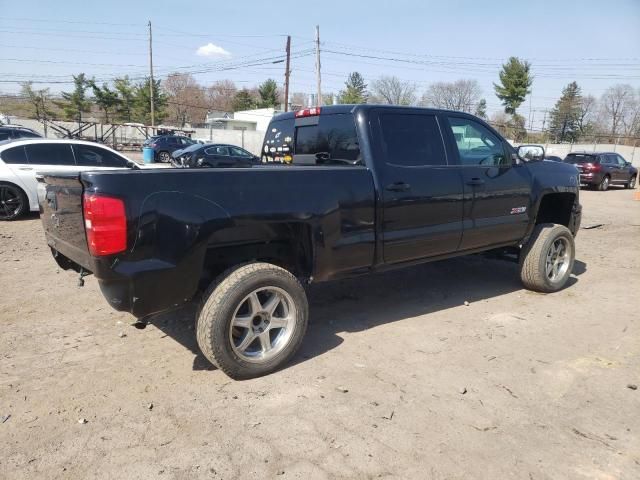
x,y
397,378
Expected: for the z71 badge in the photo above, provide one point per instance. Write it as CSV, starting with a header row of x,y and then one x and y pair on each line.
x,y
516,210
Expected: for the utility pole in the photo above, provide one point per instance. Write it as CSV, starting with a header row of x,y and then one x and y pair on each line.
x,y
286,75
319,99
151,78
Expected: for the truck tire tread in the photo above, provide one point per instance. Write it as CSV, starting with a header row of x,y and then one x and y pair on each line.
x,y
531,257
218,294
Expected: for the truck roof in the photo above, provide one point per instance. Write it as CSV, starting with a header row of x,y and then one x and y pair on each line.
x,y
349,108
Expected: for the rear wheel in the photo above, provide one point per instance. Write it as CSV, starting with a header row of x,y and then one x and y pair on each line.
x,y
13,201
253,321
631,183
604,183
547,260
164,157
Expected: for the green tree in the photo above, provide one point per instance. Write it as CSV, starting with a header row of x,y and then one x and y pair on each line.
x,y
142,102
564,120
481,108
268,91
243,100
106,99
76,103
515,83
126,98
355,89
39,101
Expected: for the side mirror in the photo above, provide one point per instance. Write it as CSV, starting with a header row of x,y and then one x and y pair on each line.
x,y
529,153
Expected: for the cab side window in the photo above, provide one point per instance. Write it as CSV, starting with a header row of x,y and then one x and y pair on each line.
x,y
412,140
476,144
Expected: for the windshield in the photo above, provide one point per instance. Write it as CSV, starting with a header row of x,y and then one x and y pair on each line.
x,y
580,159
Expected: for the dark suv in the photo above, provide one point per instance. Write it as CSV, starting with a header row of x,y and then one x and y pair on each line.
x,y
602,169
164,146
15,132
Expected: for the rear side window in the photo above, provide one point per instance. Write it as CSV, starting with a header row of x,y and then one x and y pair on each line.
x,y
238,152
50,154
90,156
14,155
581,159
332,141
411,140
4,135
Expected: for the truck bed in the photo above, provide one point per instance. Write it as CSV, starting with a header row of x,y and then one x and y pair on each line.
x,y
174,217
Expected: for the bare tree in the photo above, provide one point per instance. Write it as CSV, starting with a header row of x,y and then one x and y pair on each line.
x,y
617,104
394,91
461,95
219,95
186,102
586,113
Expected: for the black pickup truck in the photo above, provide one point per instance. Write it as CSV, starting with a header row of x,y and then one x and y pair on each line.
x,y
343,191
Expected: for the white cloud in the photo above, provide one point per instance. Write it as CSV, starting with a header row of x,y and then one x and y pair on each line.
x,y
211,50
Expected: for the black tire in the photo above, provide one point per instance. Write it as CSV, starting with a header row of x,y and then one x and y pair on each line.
x,y
13,202
604,183
631,184
164,157
534,258
222,303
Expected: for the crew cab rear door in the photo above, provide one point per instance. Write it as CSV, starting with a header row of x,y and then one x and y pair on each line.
x,y
421,191
497,192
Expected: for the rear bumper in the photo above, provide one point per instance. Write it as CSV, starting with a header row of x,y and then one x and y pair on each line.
x,y
590,178
139,287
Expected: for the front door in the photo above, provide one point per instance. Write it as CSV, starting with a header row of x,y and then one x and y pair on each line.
x,y
497,193
421,191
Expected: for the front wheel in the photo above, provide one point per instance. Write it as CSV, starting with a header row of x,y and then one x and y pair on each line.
x,y
253,321
631,184
547,260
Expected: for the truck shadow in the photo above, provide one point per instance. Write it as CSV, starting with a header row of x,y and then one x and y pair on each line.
x,y
367,302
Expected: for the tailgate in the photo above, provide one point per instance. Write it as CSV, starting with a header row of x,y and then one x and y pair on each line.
x,y
61,213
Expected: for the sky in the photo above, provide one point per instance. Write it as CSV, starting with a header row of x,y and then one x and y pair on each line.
x,y
596,43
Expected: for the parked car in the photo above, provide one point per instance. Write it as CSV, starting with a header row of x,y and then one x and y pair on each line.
x,y
15,132
370,188
22,159
602,169
213,155
165,145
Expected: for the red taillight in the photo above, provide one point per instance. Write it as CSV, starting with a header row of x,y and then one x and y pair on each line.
x,y
153,145
308,112
592,168
106,224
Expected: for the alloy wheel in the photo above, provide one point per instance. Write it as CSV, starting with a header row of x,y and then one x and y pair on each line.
x,y
10,202
558,259
262,324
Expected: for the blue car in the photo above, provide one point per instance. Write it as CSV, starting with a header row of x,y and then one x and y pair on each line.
x,y
165,145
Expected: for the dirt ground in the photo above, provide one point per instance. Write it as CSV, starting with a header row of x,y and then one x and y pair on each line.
x,y
397,378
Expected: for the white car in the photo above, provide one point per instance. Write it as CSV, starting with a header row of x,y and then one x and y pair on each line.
x,y
22,159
